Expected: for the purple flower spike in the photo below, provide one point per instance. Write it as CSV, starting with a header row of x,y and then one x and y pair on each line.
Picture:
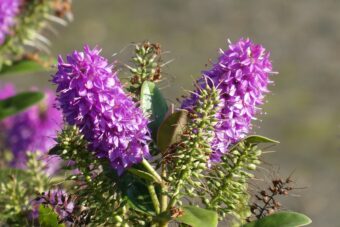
x,y
92,98
35,130
242,74
8,11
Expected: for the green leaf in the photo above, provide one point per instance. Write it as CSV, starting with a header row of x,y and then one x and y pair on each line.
x,y
136,193
56,150
153,104
171,129
23,66
142,174
282,219
255,139
19,102
198,217
48,218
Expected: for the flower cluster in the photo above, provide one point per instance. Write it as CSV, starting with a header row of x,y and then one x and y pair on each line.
x,y
8,11
58,199
242,75
32,130
92,98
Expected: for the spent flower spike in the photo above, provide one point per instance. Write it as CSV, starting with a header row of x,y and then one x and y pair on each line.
x,y
8,11
242,74
92,98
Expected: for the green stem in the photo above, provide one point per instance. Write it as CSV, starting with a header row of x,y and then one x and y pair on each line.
x,y
151,170
154,197
164,197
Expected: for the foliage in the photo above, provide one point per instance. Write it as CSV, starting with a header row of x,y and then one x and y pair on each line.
x,y
18,103
180,180
282,219
32,20
18,188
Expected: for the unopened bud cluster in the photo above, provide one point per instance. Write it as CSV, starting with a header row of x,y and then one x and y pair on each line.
x,y
147,66
227,181
192,153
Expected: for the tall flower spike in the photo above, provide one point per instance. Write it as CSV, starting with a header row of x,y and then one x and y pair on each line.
x,y
92,98
242,75
35,130
8,11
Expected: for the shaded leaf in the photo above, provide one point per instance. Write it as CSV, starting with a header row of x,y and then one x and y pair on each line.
x,y
282,219
153,104
47,217
198,217
171,129
136,193
18,103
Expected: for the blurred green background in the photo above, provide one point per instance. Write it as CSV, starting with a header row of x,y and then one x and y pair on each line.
x,y
303,110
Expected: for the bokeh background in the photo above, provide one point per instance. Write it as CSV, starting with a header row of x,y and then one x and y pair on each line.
x,y
303,110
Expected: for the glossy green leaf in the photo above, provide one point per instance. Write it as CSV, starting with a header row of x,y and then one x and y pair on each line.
x,y
171,129
255,139
153,104
198,217
281,219
136,193
48,218
23,66
18,103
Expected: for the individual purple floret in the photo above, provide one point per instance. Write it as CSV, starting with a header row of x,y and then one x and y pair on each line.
x,y
9,9
35,130
58,199
242,74
92,98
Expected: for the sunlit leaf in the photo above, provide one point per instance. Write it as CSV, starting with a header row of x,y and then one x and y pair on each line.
x,y
256,139
171,129
153,104
18,103
23,66
197,217
48,218
282,219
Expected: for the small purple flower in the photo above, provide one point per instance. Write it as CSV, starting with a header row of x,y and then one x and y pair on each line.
x,y
35,130
58,199
9,9
92,98
242,74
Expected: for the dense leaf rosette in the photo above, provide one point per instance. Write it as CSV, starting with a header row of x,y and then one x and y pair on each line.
x,y
92,98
